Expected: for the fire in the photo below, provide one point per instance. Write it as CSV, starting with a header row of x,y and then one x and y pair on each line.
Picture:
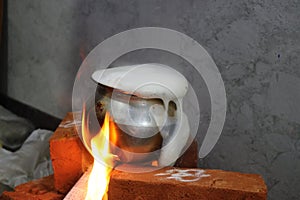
x,y
100,146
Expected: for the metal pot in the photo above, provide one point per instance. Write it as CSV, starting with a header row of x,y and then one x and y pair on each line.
x,y
139,121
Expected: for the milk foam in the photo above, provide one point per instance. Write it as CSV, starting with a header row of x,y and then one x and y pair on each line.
x,y
146,80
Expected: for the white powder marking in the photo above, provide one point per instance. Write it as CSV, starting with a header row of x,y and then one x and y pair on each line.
x,y
69,123
184,175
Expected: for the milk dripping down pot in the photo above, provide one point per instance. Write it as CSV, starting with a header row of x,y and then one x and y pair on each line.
x,y
142,117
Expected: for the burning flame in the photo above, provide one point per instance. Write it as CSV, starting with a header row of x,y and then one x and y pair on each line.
x,y
100,146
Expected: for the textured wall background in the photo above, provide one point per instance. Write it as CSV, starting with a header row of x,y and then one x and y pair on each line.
x,y
255,44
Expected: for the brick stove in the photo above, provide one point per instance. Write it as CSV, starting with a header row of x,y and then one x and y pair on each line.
x,y
71,161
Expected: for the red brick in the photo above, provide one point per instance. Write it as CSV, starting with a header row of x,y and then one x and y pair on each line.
x,y
218,185
190,157
69,156
41,189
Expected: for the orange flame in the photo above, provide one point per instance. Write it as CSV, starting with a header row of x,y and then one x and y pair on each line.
x,y
100,146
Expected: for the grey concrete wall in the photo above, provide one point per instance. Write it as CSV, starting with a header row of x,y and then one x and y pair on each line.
x,y
254,43
43,53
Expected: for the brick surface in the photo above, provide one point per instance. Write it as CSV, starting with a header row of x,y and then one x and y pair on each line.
x,y
69,156
179,183
187,184
41,189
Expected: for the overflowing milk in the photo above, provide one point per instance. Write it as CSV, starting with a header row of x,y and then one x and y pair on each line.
x,y
145,80
154,81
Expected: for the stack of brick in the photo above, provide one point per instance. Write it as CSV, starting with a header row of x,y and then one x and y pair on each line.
x,y
70,160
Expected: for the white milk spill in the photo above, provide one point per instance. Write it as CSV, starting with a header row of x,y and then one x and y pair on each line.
x,y
154,81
